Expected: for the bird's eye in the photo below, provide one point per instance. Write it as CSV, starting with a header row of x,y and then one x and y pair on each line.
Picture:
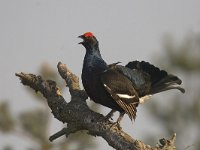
x,y
88,37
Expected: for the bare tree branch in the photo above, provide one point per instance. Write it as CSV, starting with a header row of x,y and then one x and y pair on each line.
x,y
79,117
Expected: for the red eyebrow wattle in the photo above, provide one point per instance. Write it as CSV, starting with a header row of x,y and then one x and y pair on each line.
x,y
88,34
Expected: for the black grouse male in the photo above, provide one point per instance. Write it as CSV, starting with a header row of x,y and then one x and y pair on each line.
x,y
121,88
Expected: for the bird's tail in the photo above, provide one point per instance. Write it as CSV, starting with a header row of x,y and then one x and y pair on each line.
x,y
167,83
160,79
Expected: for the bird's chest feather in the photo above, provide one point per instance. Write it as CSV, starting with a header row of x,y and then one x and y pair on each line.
x,y
93,67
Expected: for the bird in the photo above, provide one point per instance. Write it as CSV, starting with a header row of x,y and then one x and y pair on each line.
x,y
121,88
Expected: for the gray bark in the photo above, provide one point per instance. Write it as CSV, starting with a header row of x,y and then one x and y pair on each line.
x,y
78,116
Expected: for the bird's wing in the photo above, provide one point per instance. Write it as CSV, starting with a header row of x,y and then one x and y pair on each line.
x,y
121,90
139,79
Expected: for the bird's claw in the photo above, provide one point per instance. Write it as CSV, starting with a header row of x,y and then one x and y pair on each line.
x,y
117,125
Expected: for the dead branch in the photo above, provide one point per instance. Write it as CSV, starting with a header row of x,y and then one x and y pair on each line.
x,y
78,115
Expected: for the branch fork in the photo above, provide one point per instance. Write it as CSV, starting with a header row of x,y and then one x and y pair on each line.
x,y
79,116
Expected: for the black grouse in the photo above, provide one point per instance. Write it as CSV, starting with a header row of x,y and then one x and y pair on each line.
x,y
118,87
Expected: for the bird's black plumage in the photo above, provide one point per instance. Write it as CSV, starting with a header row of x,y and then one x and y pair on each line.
x,y
120,87
121,90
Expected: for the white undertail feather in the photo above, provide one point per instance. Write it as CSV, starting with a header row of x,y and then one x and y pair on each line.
x,y
144,98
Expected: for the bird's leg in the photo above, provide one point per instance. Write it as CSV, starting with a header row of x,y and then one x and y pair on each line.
x,y
117,123
121,115
110,114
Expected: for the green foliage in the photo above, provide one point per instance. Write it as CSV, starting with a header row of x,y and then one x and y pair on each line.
x,y
182,114
35,123
6,119
7,148
185,56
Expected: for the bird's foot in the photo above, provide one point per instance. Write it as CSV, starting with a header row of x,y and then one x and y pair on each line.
x,y
116,125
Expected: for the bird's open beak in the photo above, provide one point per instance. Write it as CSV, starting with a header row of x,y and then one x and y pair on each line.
x,y
81,36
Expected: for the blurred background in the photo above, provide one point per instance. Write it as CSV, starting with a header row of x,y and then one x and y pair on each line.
x,y
35,35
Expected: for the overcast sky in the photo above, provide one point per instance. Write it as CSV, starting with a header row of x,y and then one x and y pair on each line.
x,y
37,31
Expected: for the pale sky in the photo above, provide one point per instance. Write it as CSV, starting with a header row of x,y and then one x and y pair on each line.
x,y
37,31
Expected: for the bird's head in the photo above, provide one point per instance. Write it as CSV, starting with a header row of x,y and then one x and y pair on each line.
x,y
89,41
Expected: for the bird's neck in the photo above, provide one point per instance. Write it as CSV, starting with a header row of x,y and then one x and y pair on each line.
x,y
94,59
93,50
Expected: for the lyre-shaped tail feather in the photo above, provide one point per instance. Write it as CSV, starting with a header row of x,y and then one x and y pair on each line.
x,y
160,79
